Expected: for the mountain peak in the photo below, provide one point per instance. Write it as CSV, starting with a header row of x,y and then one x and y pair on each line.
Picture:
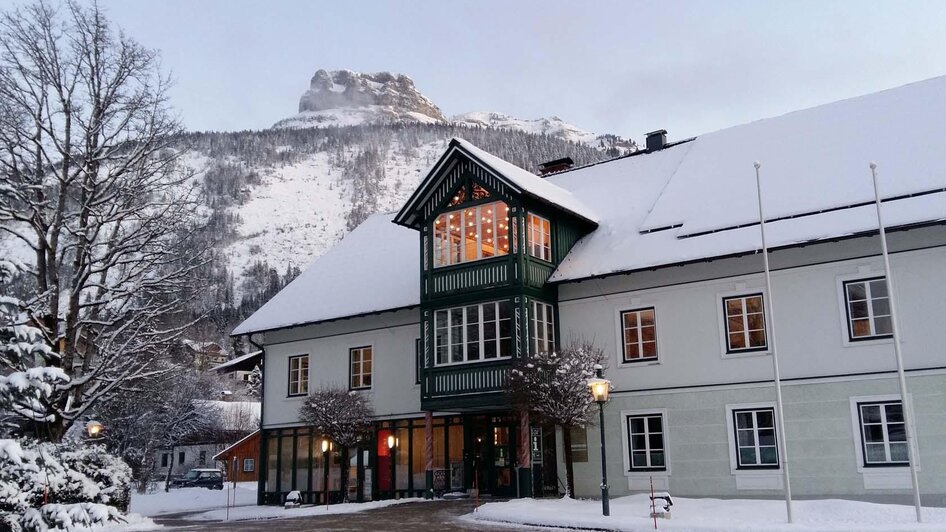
x,y
345,97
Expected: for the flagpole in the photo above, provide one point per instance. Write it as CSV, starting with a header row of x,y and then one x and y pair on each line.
x,y
906,404
779,411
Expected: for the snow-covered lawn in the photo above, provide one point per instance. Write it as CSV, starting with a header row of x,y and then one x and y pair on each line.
x,y
712,515
277,512
192,499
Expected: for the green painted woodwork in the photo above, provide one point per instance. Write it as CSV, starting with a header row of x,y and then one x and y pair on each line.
x,y
516,277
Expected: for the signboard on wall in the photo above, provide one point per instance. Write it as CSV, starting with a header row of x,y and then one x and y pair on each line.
x,y
535,444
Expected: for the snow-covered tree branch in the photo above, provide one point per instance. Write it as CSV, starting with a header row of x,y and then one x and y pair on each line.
x,y
94,189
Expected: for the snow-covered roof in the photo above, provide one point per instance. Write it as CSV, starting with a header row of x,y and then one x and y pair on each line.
x,y
226,451
530,183
237,363
374,268
519,180
812,161
691,201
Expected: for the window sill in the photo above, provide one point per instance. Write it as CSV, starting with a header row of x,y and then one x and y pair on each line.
x,y
639,363
471,362
747,354
847,342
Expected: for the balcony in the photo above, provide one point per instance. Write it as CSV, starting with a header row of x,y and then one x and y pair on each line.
x,y
477,275
459,385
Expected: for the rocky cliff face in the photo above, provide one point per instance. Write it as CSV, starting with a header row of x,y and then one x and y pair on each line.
x,y
345,98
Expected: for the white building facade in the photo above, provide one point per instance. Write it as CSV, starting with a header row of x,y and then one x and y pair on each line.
x,y
654,258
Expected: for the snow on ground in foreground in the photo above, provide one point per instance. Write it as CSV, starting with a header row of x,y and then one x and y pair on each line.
x,y
191,499
278,512
713,515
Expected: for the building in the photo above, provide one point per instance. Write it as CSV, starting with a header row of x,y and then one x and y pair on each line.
x,y
655,258
204,355
238,461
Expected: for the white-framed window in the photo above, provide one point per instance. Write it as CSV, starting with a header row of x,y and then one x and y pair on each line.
x,y
361,362
639,334
883,434
744,323
867,308
646,445
474,233
249,465
540,237
543,327
472,333
299,375
756,445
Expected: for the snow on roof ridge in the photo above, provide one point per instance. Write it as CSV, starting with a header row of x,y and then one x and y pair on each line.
x,y
529,182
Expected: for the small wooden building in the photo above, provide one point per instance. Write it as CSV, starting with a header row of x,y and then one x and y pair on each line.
x,y
238,461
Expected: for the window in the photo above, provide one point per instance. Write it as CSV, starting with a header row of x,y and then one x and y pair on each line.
x,y
579,443
540,239
756,446
418,360
543,327
883,434
473,233
640,334
180,457
164,459
360,367
745,323
202,458
868,309
248,465
473,332
645,436
299,375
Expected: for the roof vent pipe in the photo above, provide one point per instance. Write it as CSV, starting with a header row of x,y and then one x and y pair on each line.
x,y
657,140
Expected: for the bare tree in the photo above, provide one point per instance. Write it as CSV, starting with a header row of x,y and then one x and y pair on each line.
x,y
90,183
554,387
343,416
161,415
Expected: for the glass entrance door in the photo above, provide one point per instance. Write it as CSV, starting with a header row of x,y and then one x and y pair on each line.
x,y
489,454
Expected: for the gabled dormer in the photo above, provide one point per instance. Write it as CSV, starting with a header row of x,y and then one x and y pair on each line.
x,y
486,223
491,234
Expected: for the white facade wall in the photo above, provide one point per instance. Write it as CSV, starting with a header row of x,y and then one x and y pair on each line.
x,y
694,381
392,337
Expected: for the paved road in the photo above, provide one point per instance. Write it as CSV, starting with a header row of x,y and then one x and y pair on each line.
x,y
437,516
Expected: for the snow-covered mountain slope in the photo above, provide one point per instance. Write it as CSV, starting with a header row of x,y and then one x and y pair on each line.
x,y
346,98
552,126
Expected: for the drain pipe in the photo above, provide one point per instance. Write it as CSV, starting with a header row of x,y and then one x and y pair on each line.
x,y
261,461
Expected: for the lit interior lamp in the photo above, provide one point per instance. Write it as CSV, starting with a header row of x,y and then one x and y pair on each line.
x,y
94,429
325,445
392,441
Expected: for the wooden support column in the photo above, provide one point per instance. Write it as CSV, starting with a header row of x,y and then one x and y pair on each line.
x,y
524,457
429,454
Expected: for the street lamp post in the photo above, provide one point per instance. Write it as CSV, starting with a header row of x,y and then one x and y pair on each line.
x,y
600,387
326,449
392,447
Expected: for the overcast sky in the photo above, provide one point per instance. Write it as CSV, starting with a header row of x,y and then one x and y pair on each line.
x,y
623,67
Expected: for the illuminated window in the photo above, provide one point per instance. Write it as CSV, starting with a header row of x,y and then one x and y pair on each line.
x,y
745,323
540,240
360,368
474,233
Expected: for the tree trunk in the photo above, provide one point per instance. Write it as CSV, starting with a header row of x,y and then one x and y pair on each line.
x,y
167,477
569,463
344,467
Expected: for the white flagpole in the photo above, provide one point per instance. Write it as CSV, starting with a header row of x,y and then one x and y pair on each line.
x,y
906,405
779,412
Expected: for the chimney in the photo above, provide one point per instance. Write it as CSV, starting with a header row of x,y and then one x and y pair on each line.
x,y
657,140
558,165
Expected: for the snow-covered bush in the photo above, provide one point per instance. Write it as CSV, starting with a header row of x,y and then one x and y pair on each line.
x,y
49,486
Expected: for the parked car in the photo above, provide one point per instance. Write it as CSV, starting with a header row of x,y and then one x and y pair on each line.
x,y
200,478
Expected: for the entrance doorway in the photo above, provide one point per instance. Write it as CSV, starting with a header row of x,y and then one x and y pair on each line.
x,y
489,451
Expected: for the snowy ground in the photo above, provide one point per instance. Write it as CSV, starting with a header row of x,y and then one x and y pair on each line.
x,y
277,512
192,499
712,515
